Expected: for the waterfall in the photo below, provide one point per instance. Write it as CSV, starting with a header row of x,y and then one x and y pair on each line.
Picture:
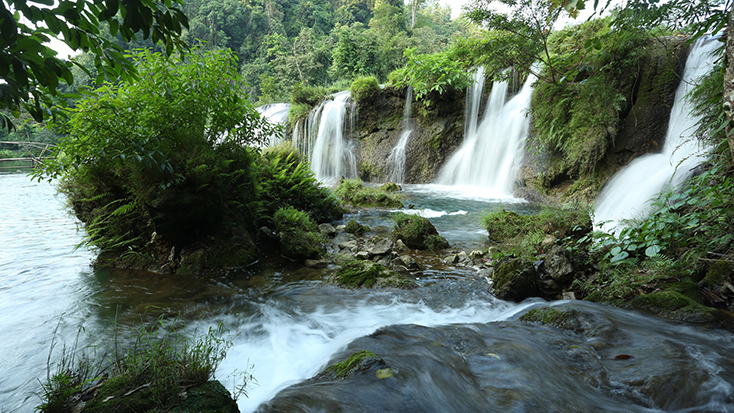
x,y
629,193
276,114
396,161
323,138
491,152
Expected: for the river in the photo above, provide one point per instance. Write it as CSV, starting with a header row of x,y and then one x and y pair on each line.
x,y
451,344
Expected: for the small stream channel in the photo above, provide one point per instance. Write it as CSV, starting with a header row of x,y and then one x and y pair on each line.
x,y
452,345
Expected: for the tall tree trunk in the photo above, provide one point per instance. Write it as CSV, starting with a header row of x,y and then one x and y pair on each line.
x,y
729,83
414,8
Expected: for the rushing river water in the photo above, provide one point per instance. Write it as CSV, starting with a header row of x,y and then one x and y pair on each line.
x,y
452,345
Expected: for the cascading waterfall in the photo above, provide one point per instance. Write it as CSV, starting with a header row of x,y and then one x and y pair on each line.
x,y
396,161
323,138
276,114
629,193
491,152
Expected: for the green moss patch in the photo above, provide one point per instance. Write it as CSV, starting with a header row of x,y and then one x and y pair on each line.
x,y
354,192
366,274
417,232
352,364
550,316
354,227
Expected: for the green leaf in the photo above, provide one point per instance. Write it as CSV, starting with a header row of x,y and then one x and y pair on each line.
x,y
652,250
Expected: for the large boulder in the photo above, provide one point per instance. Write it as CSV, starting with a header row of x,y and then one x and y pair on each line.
x,y
418,233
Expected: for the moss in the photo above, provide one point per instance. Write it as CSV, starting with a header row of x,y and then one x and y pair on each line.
x,y
353,192
673,304
417,232
390,187
515,279
352,364
549,316
364,88
357,274
299,235
298,111
112,398
718,273
354,227
210,397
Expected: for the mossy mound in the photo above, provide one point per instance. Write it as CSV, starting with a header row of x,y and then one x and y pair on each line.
x,y
391,187
299,236
367,274
354,227
354,192
561,222
564,318
515,279
680,300
417,232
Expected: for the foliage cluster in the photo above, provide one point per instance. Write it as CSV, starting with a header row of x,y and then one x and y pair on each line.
x,y
354,192
529,230
148,374
31,70
428,73
417,232
284,179
364,88
164,162
298,233
579,114
163,155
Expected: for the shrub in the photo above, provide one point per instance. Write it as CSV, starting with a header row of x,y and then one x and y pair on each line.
x,y
148,375
364,88
284,179
299,235
579,115
309,95
560,222
353,192
165,155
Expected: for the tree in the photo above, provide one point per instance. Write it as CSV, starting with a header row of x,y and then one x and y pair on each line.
x,y
30,71
529,23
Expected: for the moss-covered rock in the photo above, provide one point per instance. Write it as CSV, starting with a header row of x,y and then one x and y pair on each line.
x,y
210,397
354,192
417,232
114,397
299,236
354,227
361,362
515,279
391,187
679,300
367,274
562,318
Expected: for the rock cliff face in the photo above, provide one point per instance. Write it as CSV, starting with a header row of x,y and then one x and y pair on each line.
x,y
436,134
644,124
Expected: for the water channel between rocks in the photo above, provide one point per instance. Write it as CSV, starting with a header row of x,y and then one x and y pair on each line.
x,y
450,343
